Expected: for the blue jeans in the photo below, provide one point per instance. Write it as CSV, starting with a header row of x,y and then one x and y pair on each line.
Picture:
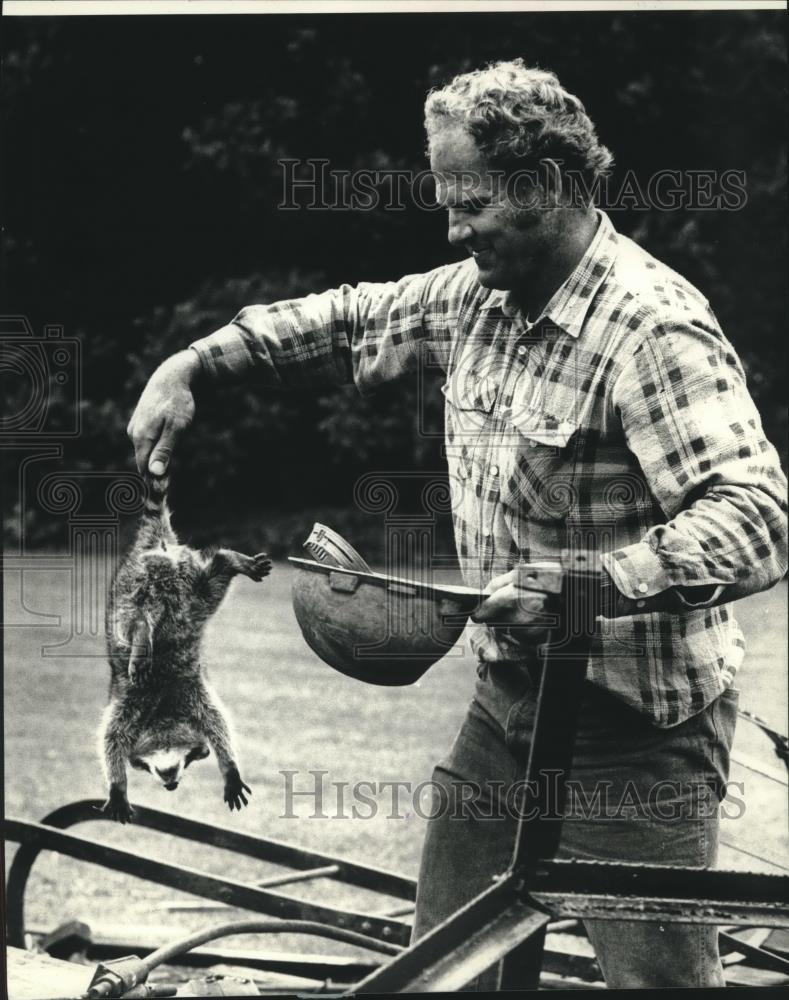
x,y
637,794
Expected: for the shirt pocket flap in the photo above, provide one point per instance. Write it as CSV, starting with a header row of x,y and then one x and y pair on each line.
x,y
470,391
541,428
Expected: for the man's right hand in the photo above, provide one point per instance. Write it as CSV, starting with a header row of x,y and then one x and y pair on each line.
x,y
164,409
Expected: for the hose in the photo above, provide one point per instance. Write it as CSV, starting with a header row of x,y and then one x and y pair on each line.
x,y
168,951
116,979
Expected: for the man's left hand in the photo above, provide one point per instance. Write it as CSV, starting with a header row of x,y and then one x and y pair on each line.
x,y
512,606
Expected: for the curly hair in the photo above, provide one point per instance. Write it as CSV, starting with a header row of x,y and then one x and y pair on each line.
x,y
519,116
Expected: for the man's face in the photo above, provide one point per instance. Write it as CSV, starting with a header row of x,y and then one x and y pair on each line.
x,y
508,240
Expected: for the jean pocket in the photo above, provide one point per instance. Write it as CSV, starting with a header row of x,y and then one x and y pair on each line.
x,y
724,721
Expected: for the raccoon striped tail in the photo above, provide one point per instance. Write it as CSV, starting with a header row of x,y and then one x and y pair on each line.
x,y
155,522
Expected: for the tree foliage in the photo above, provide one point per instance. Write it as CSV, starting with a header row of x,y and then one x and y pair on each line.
x,y
143,177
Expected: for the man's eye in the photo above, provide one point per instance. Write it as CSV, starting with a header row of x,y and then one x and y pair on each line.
x,y
464,210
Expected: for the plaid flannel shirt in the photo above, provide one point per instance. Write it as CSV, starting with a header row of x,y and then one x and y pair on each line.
x,y
618,421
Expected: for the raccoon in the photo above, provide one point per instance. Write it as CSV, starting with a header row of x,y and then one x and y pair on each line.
x,y
162,713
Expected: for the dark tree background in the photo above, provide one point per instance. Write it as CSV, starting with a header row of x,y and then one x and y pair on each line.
x,y
142,182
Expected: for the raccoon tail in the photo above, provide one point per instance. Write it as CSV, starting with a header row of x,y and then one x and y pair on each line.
x,y
155,522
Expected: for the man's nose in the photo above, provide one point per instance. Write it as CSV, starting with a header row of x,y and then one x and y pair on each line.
x,y
459,231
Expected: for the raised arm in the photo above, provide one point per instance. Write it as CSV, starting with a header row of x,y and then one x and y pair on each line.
x,y
164,409
368,334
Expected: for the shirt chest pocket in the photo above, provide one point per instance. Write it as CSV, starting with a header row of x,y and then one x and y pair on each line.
x,y
469,402
539,467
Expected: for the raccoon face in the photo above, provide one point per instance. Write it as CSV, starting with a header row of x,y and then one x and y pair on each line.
x,y
167,764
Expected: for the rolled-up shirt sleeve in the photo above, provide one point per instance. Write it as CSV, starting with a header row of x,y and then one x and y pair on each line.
x,y
367,334
690,421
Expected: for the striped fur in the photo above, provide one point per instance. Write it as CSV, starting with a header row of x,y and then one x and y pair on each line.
x,y
162,712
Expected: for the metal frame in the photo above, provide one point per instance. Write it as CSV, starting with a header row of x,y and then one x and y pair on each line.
x,y
507,922
50,835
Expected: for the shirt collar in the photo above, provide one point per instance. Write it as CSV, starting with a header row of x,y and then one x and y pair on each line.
x,y
570,303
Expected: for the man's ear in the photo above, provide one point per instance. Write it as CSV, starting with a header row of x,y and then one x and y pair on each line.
x,y
551,182
537,190
525,190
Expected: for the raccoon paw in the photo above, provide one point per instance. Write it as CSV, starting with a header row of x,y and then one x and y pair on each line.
x,y
234,790
259,566
118,807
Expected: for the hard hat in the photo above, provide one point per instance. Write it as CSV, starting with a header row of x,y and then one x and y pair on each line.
x,y
373,627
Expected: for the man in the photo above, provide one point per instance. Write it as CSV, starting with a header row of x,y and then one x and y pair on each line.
x,y
591,399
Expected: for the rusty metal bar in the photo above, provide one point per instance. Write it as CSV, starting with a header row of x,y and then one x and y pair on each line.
x,y
521,967
36,837
262,848
506,920
575,603
455,952
660,882
327,871
759,957
604,891
561,679
494,926
656,909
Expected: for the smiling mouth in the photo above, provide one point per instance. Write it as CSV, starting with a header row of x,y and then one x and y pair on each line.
x,y
480,256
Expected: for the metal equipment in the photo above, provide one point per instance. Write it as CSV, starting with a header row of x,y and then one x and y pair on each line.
x,y
506,923
375,628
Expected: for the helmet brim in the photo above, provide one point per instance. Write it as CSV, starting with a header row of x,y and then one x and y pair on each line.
x,y
376,628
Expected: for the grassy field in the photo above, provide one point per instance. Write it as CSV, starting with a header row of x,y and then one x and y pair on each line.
x,y
291,714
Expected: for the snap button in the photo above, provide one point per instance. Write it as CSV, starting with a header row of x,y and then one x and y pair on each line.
x,y
643,588
494,470
640,604
522,349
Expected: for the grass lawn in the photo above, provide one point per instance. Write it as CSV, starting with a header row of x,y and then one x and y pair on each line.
x,y
291,714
